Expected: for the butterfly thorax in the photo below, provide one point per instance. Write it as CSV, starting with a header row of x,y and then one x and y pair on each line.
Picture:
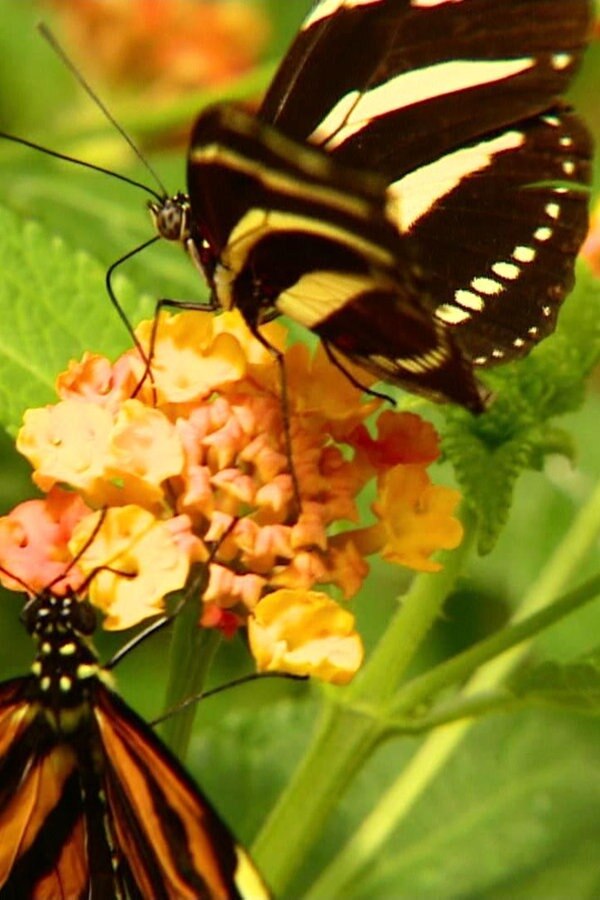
x,y
66,665
321,217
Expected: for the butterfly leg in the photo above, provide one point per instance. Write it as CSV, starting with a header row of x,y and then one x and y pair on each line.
x,y
335,361
285,410
121,312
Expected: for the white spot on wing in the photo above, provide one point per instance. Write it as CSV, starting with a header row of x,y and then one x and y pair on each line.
x,y
451,314
487,286
552,210
469,300
561,61
524,254
542,234
506,270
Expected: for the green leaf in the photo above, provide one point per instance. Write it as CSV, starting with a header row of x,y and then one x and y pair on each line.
x,y
54,305
573,686
520,797
489,452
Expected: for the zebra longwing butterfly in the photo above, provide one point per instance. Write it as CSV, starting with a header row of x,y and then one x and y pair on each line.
x,y
92,804
411,189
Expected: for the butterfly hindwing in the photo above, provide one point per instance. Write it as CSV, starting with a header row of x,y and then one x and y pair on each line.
x,y
499,223
169,830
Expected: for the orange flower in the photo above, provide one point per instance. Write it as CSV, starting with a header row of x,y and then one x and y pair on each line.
x,y
34,543
305,633
416,520
402,438
198,462
340,406
136,558
95,379
164,45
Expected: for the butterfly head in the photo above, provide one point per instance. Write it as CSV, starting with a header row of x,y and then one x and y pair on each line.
x,y
171,217
65,661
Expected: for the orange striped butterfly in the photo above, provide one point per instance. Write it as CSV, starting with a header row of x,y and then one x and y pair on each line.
x,y
92,803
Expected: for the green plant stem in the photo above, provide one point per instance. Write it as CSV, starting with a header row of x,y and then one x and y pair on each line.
x,y
464,664
191,654
418,611
351,725
365,846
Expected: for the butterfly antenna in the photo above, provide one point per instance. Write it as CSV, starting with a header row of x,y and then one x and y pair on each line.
x,y
80,162
18,579
235,682
60,52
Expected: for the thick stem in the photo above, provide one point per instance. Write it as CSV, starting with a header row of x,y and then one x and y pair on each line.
x,y
367,842
350,727
192,652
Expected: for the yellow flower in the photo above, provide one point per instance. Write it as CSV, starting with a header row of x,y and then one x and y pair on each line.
x,y
112,457
305,633
416,518
67,443
190,360
134,560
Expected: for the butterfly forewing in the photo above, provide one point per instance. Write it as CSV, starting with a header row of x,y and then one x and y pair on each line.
x,y
292,232
391,84
158,812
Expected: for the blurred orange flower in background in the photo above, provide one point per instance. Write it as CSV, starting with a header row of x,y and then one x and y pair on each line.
x,y
590,250
163,46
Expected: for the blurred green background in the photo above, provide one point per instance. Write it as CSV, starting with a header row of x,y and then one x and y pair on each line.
x,y
517,813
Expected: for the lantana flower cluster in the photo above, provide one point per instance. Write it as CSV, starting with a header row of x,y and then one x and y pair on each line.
x,y
164,46
147,479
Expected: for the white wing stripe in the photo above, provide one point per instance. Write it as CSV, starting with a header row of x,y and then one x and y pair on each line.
x,y
355,110
329,8
415,194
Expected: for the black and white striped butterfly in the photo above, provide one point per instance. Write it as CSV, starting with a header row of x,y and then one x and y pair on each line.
x,y
411,189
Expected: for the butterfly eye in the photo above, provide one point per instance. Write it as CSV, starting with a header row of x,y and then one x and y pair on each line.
x,y
83,617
